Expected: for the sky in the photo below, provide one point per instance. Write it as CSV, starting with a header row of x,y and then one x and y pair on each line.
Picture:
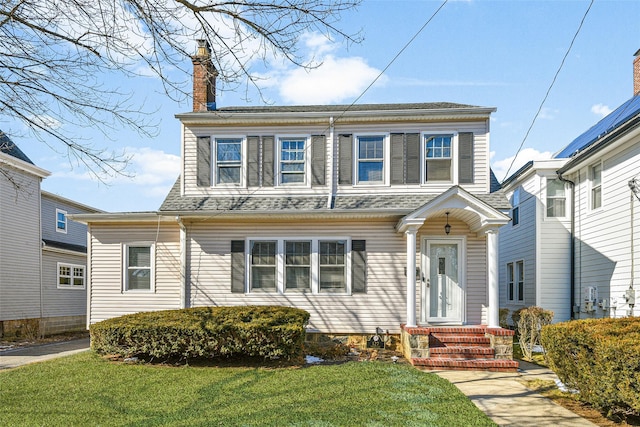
x,y
501,54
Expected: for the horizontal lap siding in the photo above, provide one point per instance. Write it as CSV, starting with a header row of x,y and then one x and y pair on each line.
x,y
107,298
384,304
19,246
61,302
555,270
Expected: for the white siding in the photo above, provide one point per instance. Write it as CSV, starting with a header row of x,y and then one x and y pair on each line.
x,y
19,245
107,297
61,302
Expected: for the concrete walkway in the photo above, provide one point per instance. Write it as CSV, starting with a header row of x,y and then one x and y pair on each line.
x,y
508,402
25,355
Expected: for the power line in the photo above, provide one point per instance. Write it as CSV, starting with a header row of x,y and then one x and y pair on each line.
x,y
575,36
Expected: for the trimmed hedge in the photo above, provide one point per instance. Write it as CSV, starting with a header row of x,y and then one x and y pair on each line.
x,y
600,358
204,332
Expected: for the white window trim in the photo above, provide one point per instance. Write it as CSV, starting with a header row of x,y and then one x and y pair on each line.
x,y
307,159
454,158
243,161
545,197
590,186
125,266
386,155
66,221
280,265
71,266
516,293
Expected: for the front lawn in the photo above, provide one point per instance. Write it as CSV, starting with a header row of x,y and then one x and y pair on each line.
x,y
84,390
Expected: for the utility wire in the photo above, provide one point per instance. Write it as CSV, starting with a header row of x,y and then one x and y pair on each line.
x,y
555,77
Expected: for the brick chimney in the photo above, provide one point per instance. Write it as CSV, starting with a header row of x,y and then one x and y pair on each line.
x,y
636,73
204,79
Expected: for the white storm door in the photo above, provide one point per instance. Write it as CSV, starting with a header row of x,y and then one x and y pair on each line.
x,y
443,291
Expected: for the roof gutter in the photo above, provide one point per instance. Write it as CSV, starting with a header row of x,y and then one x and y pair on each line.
x,y
572,249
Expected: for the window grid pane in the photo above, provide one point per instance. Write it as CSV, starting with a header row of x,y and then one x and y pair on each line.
x,y
437,151
520,272
370,158
438,147
297,265
332,265
555,198
263,265
510,280
292,161
139,268
228,160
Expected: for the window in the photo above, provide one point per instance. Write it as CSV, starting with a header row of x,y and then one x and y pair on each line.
x,y
138,267
297,264
263,265
333,266
595,175
437,152
61,221
228,160
515,281
370,159
292,160
70,276
555,198
515,211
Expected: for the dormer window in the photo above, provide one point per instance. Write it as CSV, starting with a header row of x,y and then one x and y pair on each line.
x,y
292,160
515,211
437,152
370,165
61,221
228,160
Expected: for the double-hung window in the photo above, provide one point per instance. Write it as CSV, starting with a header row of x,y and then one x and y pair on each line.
x,y
515,211
70,276
595,175
228,160
370,165
61,221
292,160
263,265
297,264
333,265
138,268
515,281
437,152
556,198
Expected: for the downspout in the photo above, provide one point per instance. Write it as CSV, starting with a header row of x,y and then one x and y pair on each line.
x,y
331,162
183,262
572,249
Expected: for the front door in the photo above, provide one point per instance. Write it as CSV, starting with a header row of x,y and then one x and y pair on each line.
x,y
443,293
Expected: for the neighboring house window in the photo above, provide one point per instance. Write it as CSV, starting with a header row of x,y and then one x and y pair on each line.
x,y
556,198
515,211
228,160
139,267
515,281
292,160
70,276
263,265
437,151
61,221
596,185
297,264
333,265
370,159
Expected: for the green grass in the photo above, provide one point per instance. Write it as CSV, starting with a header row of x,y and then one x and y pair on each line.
x,y
85,390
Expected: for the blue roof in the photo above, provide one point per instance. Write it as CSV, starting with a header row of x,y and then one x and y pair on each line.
x,y
8,147
615,119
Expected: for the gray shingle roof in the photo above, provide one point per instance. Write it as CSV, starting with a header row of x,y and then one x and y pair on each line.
x,y
253,203
341,108
8,147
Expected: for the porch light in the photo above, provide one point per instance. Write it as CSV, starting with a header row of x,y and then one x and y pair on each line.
x,y
447,227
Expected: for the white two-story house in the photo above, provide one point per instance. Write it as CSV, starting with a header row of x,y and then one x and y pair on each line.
x,y
370,217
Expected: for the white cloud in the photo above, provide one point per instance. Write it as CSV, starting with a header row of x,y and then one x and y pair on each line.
x,y
601,110
46,121
547,114
500,167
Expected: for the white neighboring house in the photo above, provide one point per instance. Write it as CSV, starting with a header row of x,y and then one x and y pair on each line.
x,y
43,253
572,246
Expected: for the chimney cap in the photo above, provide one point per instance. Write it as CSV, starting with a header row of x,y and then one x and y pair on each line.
x,y
637,53
203,49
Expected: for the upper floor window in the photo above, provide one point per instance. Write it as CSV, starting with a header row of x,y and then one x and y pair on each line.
x,y
515,211
70,276
437,152
292,160
228,160
595,176
61,221
370,164
556,198
138,268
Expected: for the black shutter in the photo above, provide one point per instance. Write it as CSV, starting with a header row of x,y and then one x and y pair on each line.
x,y
237,266
253,160
268,152
397,158
412,161
345,167
358,266
203,161
318,159
465,158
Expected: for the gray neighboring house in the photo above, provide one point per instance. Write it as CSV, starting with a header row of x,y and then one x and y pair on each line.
x,y
43,253
573,242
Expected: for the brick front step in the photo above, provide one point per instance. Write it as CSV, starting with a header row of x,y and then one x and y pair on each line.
x,y
444,340
492,365
462,352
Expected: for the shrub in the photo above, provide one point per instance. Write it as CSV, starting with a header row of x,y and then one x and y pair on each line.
x,y
204,332
503,315
600,358
530,321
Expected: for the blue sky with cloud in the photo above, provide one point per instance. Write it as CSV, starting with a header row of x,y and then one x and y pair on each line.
x,y
501,54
